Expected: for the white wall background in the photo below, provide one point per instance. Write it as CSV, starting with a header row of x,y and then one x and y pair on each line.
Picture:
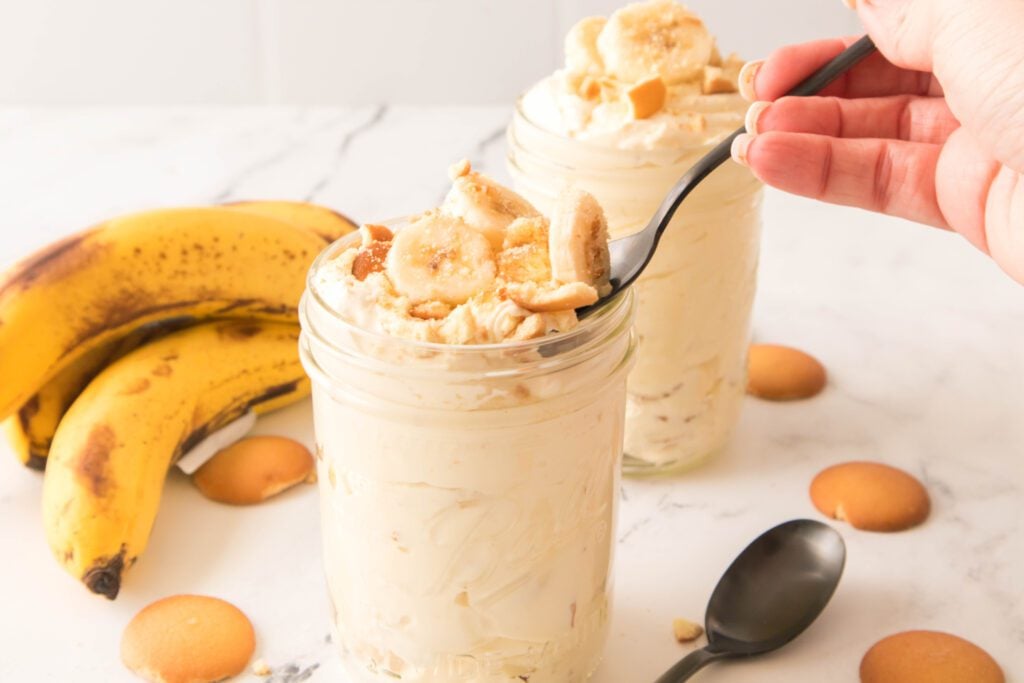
x,y
329,51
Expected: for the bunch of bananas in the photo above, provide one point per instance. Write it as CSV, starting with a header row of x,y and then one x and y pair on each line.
x,y
123,346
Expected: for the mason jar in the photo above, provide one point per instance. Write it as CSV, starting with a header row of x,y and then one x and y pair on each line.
x,y
694,300
468,495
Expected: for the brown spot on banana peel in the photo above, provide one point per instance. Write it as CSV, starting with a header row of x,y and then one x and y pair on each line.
x,y
137,387
36,461
53,262
239,330
91,463
104,577
162,370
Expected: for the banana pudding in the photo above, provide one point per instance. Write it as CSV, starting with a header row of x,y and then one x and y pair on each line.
x,y
469,438
643,95
485,267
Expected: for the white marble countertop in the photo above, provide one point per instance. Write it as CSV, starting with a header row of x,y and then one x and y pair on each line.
x,y
922,336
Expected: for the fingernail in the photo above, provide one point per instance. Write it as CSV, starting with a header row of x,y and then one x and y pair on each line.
x,y
852,4
747,75
740,145
753,115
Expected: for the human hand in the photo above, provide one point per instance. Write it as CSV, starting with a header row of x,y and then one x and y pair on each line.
x,y
931,129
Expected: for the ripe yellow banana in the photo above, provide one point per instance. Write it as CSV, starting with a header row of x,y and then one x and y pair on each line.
x,y
96,286
31,429
327,223
112,450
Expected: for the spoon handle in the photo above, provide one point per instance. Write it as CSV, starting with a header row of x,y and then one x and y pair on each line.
x,y
689,665
839,65
811,85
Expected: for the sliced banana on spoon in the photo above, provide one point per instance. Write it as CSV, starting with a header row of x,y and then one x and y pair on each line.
x,y
524,253
578,241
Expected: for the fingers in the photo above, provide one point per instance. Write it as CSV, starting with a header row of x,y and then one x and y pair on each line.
x,y
873,77
888,176
899,117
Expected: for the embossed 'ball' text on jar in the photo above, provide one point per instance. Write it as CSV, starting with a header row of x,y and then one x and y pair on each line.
x,y
468,496
694,300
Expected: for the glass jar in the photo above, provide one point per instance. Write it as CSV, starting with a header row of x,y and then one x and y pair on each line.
x,y
694,300
468,496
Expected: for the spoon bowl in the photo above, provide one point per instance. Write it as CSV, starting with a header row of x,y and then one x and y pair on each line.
x,y
769,595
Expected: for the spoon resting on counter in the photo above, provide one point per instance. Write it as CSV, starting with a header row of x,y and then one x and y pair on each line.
x,y
769,595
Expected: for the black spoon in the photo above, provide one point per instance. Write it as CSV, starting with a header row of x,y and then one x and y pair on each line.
x,y
631,254
777,586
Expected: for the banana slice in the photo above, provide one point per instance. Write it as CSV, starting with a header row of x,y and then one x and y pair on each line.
x,y
438,257
483,204
581,55
578,241
657,37
524,254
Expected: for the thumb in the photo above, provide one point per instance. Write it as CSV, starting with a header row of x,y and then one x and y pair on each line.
x,y
975,51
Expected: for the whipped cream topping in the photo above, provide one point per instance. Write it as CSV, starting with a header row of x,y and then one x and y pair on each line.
x,y
486,267
604,93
